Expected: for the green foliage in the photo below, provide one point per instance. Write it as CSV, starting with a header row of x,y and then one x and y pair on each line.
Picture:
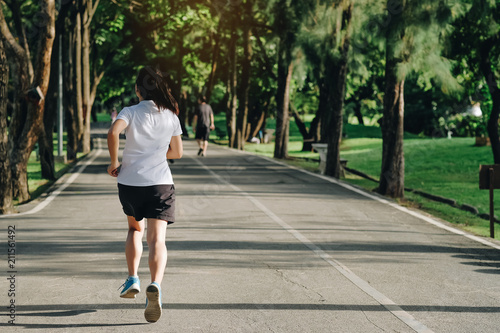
x,y
466,125
110,30
305,98
480,23
424,27
180,36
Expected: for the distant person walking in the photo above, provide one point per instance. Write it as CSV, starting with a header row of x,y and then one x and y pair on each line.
x,y
145,185
114,114
203,123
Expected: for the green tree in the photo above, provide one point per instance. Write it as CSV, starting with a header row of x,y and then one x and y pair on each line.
x,y
45,141
476,47
6,206
326,39
414,35
246,63
32,74
336,75
263,84
287,20
365,80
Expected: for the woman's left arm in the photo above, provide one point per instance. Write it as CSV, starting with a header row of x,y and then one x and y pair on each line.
x,y
175,150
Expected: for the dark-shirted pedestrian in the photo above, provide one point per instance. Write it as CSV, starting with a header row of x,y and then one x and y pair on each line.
x,y
203,123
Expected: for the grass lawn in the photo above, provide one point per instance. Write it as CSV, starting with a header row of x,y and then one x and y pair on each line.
x,y
445,167
36,184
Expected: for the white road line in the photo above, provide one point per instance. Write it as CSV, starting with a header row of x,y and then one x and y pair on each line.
x,y
61,188
381,200
392,307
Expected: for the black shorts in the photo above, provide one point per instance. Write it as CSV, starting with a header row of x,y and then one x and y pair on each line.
x,y
202,133
156,201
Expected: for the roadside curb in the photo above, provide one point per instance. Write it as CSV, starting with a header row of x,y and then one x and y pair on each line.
x,y
451,202
377,197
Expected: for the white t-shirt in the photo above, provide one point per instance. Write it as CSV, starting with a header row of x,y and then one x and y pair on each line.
x,y
148,133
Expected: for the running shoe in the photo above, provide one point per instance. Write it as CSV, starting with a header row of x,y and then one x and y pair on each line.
x,y
153,303
131,287
200,151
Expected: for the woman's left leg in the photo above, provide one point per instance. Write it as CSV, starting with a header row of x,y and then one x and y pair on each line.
x,y
157,230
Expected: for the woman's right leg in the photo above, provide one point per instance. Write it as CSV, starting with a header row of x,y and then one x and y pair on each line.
x,y
133,245
157,230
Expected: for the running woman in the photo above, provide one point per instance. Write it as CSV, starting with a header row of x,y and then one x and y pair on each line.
x,y
145,185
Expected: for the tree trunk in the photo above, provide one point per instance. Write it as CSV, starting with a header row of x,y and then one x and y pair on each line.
x,y
492,125
180,95
78,97
256,124
22,66
34,121
183,112
358,114
46,142
307,136
339,74
26,123
215,59
314,133
6,205
232,84
311,136
300,124
258,115
322,113
338,78
21,36
285,69
86,106
393,166
46,149
245,80
491,80
69,102
96,79
393,163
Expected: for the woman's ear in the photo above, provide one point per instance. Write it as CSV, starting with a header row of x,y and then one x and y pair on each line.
x,y
137,92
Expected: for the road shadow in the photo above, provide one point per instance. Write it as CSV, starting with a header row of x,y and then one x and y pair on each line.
x,y
61,310
24,310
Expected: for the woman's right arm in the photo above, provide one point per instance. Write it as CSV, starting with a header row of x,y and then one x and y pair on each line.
x,y
175,150
114,144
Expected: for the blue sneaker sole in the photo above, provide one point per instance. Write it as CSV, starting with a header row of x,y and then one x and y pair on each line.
x,y
153,305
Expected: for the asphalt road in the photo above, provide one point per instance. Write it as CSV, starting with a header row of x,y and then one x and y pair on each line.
x,y
257,247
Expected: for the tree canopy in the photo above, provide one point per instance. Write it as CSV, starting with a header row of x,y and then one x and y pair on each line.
x,y
406,64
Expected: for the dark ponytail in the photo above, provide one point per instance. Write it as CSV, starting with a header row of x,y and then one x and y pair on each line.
x,y
152,85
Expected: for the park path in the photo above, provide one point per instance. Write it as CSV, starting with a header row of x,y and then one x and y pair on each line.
x,y
257,247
